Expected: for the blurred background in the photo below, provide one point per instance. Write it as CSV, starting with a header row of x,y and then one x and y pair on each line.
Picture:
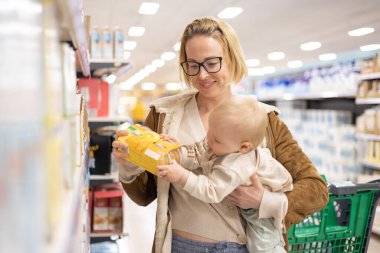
x,y
73,70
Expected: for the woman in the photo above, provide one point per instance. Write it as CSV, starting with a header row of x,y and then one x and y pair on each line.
x,y
212,60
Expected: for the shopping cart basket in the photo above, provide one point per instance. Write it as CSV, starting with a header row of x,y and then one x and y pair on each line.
x,y
344,225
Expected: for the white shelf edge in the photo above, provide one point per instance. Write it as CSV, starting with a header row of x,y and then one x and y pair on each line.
x,y
369,76
105,177
116,61
367,101
107,234
369,137
109,119
320,95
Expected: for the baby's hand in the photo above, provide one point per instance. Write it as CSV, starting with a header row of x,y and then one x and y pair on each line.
x,y
174,173
168,138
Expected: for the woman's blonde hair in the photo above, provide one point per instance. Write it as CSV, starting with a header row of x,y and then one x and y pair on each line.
x,y
246,117
225,35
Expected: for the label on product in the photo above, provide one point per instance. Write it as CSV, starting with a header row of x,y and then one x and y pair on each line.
x,y
150,153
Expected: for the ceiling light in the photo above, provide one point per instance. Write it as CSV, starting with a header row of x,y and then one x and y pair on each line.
x,y
148,8
252,62
327,57
177,46
309,46
269,69
361,31
148,86
370,47
276,56
255,72
172,86
158,63
167,56
126,55
230,12
150,68
295,64
136,31
129,45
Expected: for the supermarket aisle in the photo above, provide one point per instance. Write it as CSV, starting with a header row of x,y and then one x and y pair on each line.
x,y
139,223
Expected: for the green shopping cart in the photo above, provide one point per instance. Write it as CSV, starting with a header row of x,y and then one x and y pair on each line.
x,y
344,225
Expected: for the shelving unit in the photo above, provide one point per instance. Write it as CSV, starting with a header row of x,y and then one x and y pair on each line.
x,y
308,96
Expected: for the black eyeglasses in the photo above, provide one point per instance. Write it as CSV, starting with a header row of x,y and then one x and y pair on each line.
x,y
211,65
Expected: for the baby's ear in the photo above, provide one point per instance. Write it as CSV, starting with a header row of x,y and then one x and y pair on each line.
x,y
245,147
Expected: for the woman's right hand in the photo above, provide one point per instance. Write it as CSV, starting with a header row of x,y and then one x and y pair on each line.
x,y
120,150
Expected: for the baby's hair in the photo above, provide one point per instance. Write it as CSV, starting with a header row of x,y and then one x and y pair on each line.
x,y
245,116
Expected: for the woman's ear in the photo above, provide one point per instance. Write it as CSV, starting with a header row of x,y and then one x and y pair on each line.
x,y
245,147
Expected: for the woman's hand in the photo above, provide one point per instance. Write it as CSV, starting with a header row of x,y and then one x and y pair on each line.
x,y
248,196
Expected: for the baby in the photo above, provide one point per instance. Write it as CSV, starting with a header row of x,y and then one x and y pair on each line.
x,y
229,156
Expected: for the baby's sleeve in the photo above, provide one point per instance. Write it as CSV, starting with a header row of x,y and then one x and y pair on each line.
x,y
191,155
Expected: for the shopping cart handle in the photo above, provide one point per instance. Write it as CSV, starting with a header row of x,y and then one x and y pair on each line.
x,y
351,188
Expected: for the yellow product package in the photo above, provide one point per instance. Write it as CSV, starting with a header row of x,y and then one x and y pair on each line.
x,y
147,150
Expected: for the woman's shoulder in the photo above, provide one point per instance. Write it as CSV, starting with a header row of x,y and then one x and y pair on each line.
x,y
270,108
170,101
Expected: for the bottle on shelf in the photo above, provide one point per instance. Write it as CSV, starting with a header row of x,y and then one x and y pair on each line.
x,y
107,41
95,43
118,44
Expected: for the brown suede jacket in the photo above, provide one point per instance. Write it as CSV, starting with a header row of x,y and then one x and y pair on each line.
x,y
310,192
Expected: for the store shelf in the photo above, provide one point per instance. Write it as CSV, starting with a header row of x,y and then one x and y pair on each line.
x,y
308,96
371,164
108,234
110,119
368,137
73,17
370,76
113,177
367,101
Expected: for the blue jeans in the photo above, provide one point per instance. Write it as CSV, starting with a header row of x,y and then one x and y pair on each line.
x,y
182,245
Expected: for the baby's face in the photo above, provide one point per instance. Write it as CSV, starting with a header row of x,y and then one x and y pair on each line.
x,y
221,139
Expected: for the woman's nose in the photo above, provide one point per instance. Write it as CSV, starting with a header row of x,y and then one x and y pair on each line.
x,y
202,73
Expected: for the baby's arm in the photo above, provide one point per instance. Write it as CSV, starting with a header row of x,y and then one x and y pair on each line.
x,y
191,155
214,187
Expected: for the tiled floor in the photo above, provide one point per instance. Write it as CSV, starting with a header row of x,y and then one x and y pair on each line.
x,y
140,221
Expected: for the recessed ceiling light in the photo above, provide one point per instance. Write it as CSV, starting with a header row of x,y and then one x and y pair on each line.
x,y
136,31
158,63
252,63
370,47
309,46
295,64
276,56
361,31
269,69
177,46
148,8
126,55
167,56
327,57
148,86
129,45
150,68
230,12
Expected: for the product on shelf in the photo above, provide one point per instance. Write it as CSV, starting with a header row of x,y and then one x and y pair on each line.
x,y
107,210
95,43
107,43
118,44
147,150
100,151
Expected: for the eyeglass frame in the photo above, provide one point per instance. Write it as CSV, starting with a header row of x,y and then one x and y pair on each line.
x,y
201,64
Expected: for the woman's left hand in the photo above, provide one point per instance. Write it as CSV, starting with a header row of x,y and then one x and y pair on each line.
x,y
248,196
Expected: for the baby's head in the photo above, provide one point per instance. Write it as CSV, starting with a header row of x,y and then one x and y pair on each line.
x,y
236,125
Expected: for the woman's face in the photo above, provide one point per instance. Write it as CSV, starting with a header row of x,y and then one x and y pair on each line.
x,y
200,48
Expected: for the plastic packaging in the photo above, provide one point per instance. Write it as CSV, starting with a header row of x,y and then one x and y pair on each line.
x,y
147,150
